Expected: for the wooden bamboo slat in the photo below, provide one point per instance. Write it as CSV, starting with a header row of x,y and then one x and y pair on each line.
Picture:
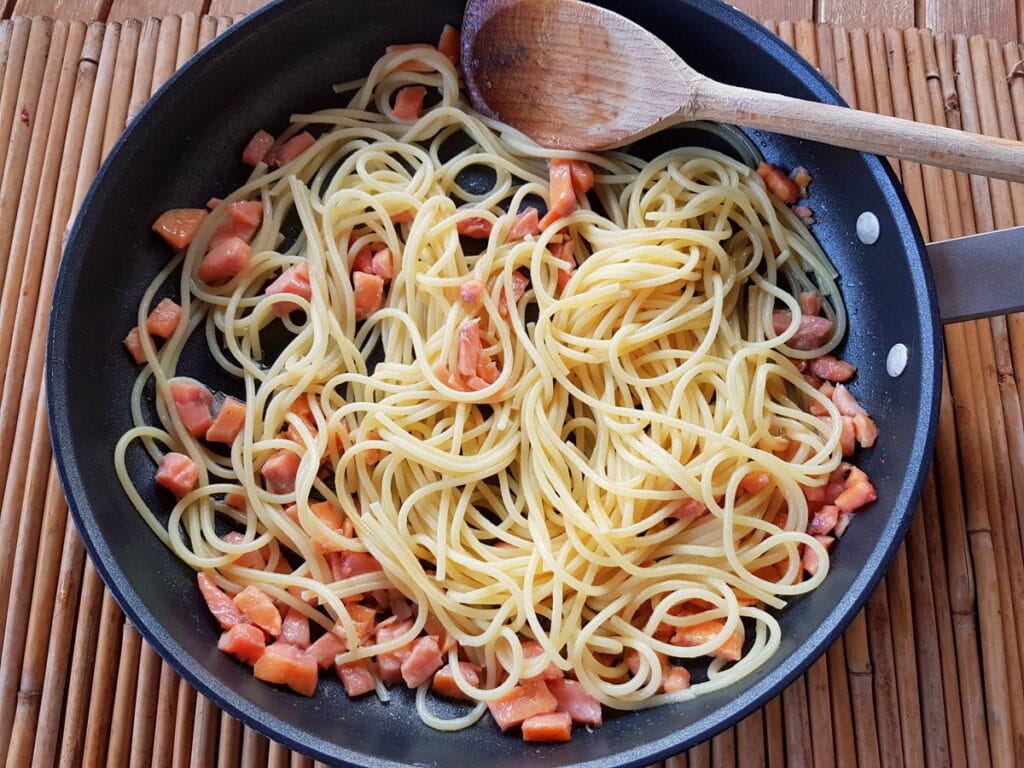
x,y
930,673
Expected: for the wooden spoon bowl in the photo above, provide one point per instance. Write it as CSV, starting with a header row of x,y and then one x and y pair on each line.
x,y
575,76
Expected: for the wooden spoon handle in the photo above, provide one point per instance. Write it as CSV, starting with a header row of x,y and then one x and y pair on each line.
x,y
854,129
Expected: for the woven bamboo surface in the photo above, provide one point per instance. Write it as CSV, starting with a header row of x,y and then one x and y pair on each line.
x,y
928,674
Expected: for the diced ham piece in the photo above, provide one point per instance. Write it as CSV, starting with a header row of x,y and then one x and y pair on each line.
x,y
290,150
236,500
778,183
178,226
677,679
526,223
572,698
345,565
363,260
812,332
857,491
450,43
422,662
824,520
256,150
531,650
865,430
476,227
704,632
295,629
228,258
810,557
229,422
287,665
689,509
244,219
563,252
846,402
279,471
164,318
254,559
329,514
133,343
177,473
520,283
409,102
356,678
561,192
845,518
471,291
389,665
551,727
802,178
369,294
381,265
220,604
259,609
470,347
411,65
829,368
753,482
522,702
444,680
243,641
326,648
810,302
193,403
582,176
294,281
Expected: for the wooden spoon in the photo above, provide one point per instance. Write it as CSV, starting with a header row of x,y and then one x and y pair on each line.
x,y
575,76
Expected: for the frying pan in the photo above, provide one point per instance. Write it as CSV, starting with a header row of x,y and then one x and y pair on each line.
x,y
184,147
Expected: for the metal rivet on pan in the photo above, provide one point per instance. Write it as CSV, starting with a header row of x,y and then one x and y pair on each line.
x,y
868,228
896,361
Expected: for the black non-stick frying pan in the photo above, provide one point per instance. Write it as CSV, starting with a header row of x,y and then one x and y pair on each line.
x,y
184,148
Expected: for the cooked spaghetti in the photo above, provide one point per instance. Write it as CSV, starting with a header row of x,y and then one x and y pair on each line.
x,y
585,446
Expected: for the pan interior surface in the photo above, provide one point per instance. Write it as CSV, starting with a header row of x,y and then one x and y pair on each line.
x,y
282,60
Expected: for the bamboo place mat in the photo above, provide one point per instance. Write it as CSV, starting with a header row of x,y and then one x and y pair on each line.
x,y
928,674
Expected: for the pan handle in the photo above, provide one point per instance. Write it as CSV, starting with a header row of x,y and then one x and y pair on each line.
x,y
979,275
